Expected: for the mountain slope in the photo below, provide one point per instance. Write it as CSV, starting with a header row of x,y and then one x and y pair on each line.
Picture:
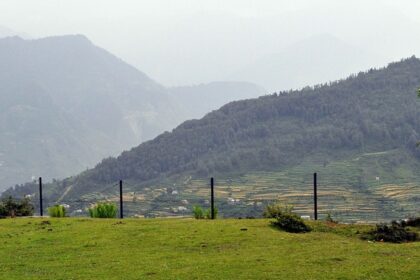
x,y
363,115
373,111
66,103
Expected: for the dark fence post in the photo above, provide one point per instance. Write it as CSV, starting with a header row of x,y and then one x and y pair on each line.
x,y
212,197
315,198
121,201
41,210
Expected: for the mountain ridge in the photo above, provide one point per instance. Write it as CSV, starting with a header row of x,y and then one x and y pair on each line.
x,y
279,130
77,103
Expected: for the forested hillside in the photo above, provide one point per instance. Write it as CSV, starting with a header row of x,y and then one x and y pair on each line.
x,y
368,112
372,111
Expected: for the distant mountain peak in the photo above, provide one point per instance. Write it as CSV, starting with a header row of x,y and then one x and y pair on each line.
x,y
79,38
7,32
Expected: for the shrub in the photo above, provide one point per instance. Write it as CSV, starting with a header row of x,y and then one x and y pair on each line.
x,y
285,219
330,219
103,210
12,207
208,213
3,212
411,222
25,208
395,233
277,209
198,212
291,223
57,211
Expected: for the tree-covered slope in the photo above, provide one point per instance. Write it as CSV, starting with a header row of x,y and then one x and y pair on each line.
x,y
369,112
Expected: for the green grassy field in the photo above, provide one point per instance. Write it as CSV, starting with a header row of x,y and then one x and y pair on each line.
x,y
70,248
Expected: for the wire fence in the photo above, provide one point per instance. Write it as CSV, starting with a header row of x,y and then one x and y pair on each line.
x,y
345,200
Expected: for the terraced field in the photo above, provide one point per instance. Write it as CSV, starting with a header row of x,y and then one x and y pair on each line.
x,y
367,187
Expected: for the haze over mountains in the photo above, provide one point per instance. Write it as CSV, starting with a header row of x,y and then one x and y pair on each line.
x,y
66,104
192,42
204,98
7,32
312,61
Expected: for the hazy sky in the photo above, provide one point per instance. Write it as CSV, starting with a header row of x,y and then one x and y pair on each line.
x,y
185,42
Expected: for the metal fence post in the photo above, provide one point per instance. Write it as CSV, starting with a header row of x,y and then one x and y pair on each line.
x,y
41,210
212,197
315,198
121,201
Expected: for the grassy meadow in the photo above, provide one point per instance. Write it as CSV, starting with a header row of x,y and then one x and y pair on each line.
x,y
83,248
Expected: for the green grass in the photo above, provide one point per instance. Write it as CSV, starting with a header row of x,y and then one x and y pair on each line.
x,y
69,248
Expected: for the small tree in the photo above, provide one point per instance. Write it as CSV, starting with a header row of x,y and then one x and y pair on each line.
x,y
25,207
3,212
12,207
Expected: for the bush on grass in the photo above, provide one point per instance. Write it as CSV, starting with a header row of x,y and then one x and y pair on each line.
x,y
11,207
199,213
330,219
411,222
57,211
395,233
275,210
103,210
3,212
208,213
285,218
